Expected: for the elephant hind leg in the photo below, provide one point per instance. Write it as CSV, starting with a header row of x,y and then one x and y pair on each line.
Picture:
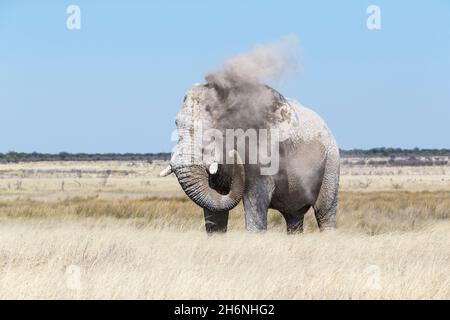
x,y
216,222
325,209
326,217
294,222
326,203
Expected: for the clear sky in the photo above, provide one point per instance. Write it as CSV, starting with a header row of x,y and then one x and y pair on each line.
x,y
116,84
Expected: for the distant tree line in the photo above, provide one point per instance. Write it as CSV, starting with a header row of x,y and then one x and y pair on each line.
x,y
395,152
396,157
65,156
13,156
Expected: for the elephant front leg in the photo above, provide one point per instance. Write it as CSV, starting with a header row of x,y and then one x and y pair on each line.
x,y
216,221
256,204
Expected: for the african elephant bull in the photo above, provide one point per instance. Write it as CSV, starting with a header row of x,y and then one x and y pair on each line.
x,y
308,166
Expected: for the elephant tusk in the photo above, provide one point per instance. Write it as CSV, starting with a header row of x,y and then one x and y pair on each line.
x,y
166,171
213,168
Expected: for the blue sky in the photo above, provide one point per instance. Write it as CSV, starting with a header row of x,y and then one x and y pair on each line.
x,y
116,84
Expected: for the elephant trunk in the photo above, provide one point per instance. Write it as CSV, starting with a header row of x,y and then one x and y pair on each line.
x,y
194,179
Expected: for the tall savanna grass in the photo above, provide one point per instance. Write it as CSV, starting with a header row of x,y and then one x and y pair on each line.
x,y
369,212
130,234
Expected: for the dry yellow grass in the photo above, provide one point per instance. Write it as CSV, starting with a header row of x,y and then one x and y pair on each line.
x,y
362,212
117,260
54,181
137,236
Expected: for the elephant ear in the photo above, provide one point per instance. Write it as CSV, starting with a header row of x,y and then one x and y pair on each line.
x,y
285,119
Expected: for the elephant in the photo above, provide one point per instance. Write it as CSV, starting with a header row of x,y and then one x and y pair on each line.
x,y
308,165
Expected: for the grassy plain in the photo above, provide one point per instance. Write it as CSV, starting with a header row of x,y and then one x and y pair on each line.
x,y
116,230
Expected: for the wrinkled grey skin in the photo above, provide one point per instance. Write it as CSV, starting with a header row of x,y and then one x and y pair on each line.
x,y
308,174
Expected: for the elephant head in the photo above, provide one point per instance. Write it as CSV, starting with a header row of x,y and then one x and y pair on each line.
x,y
194,162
